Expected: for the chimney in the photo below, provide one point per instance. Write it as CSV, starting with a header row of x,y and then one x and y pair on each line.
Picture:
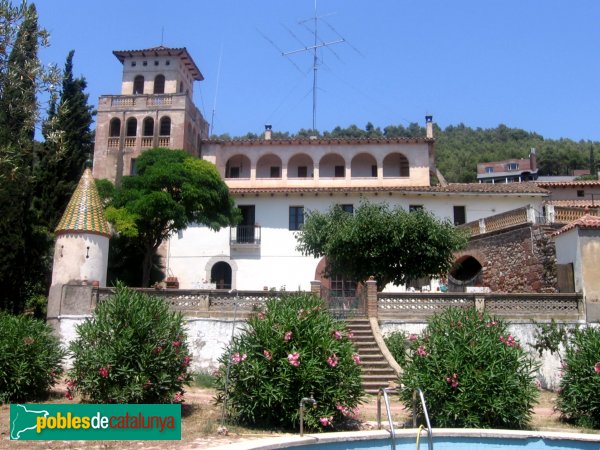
x,y
268,132
533,159
429,126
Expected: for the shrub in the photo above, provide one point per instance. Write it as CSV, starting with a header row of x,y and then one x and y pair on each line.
x,y
472,371
292,349
30,358
398,344
132,350
578,400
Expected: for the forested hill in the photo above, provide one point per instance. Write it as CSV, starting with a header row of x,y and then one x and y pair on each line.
x,y
459,148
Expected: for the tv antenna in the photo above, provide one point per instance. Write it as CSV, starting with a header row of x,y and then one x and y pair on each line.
x,y
317,44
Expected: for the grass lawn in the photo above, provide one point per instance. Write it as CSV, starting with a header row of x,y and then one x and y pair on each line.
x,y
200,424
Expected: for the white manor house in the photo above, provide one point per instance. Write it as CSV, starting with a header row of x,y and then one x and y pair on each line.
x,y
274,182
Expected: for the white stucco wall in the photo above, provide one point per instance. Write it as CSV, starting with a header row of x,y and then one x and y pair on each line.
x,y
276,263
568,250
80,257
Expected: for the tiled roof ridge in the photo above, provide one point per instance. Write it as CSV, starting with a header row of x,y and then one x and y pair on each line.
x,y
573,183
587,221
321,140
181,52
85,212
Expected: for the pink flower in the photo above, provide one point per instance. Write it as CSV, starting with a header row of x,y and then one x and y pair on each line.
x,y
350,334
147,384
237,358
421,351
268,354
412,337
356,358
103,371
294,359
453,380
157,350
336,334
287,337
261,316
325,421
181,377
493,323
176,344
346,411
510,341
68,395
597,367
186,361
332,360
178,398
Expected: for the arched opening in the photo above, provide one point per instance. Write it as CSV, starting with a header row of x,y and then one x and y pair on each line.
x,y
165,126
115,127
131,127
138,85
159,84
332,166
300,166
268,166
467,271
148,126
220,274
363,165
396,165
237,166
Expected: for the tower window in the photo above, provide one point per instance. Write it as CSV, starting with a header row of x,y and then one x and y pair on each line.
x,y
167,63
148,126
138,85
115,127
145,63
156,63
159,84
131,127
165,126
133,63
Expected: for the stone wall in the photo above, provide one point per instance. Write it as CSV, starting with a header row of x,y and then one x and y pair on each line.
x,y
521,259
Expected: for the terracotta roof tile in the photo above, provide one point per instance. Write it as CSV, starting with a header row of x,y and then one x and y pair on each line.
x,y
180,52
568,184
452,188
319,141
575,203
84,213
587,221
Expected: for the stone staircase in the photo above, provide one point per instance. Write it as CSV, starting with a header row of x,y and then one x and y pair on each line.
x,y
377,373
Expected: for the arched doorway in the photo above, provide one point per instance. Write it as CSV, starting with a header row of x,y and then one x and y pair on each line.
x,y
220,274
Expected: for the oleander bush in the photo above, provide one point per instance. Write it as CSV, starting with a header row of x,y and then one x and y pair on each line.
x,y
132,350
472,371
579,395
292,349
30,358
398,345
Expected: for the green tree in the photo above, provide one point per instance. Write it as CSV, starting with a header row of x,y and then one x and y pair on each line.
x,y
171,190
68,144
391,244
24,244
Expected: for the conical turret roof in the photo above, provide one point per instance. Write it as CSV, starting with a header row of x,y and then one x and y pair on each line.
x,y
84,213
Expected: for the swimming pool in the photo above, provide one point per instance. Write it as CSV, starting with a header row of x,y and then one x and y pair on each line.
x,y
444,439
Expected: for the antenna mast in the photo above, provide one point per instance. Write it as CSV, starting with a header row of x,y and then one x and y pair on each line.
x,y
317,44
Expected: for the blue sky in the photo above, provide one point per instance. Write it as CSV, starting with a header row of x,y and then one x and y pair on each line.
x,y
532,64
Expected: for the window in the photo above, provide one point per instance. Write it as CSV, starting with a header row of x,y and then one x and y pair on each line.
x,y
489,170
580,193
404,166
512,166
275,173
133,168
341,287
412,208
138,85
374,171
339,172
131,127
145,63
302,171
234,172
156,63
165,126
348,208
167,63
460,215
181,86
132,63
159,84
115,127
296,217
148,128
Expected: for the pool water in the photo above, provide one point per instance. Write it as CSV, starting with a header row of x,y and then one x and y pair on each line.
x,y
459,443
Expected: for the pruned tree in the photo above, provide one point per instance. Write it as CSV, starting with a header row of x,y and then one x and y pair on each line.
x,y
171,190
391,244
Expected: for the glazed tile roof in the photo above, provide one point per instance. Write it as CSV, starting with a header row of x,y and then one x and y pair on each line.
x,y
568,184
181,53
587,221
85,212
452,188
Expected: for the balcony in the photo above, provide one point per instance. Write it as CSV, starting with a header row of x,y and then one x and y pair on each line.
x,y
244,237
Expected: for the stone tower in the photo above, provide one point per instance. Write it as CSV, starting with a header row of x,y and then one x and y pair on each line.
x,y
155,109
80,253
